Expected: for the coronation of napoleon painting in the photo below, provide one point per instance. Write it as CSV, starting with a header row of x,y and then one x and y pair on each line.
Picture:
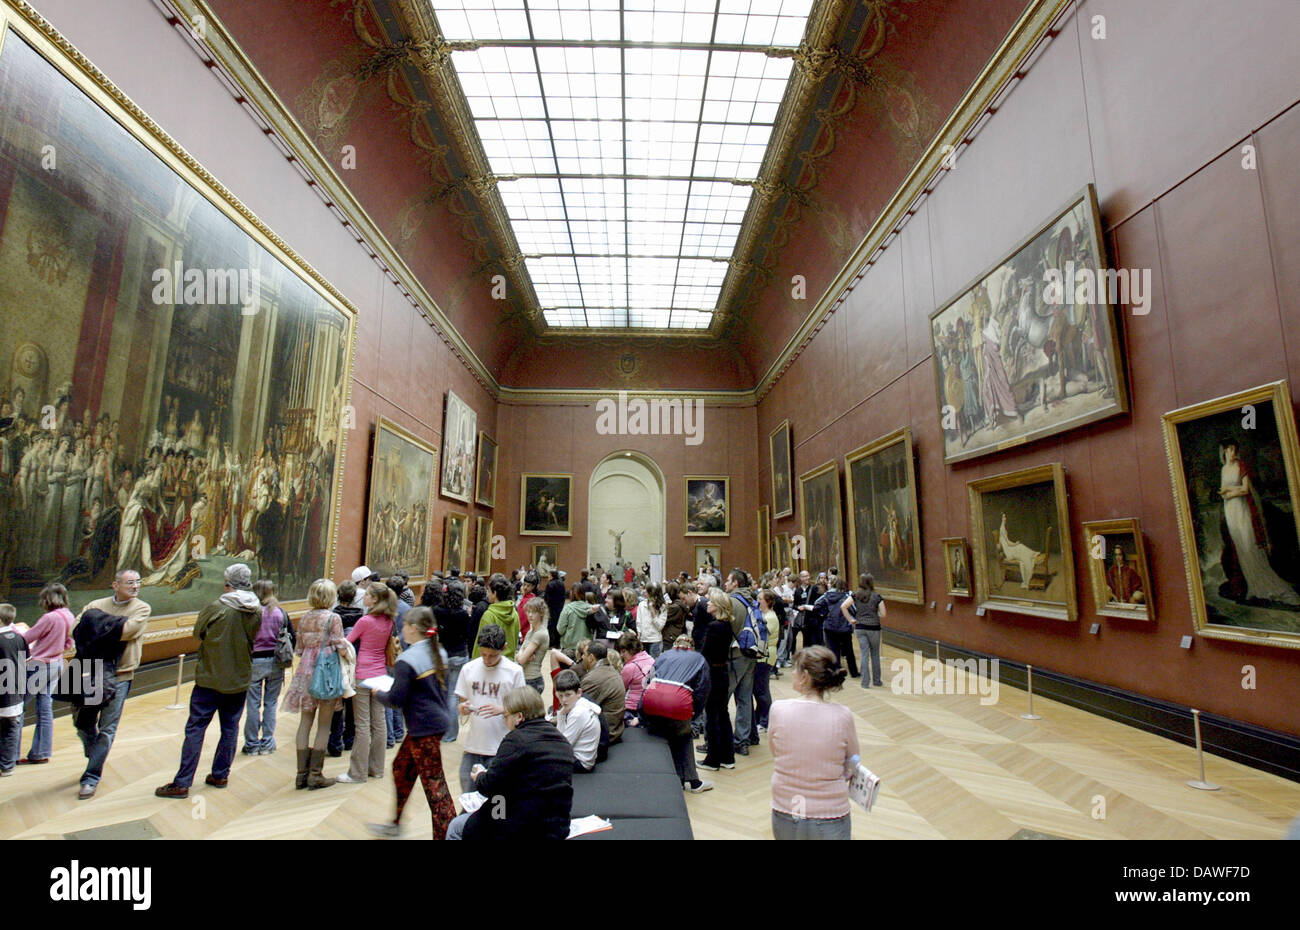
x,y
1030,349
171,430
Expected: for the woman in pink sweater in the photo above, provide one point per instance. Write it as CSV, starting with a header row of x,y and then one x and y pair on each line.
x,y
371,634
814,753
46,642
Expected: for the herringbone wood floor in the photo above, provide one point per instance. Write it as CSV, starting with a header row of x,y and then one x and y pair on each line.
x,y
951,768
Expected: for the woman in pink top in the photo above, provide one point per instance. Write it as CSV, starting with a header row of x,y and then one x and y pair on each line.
x,y
814,753
371,635
636,665
46,643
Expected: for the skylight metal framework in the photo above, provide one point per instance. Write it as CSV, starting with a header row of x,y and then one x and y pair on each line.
x,y
619,129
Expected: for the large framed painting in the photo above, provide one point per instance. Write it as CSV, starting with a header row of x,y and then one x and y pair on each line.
x,y
956,566
459,430
398,529
544,505
1117,568
779,452
483,546
884,523
1031,348
174,379
782,544
765,555
709,559
819,508
485,481
1233,462
454,542
708,505
1022,558
546,557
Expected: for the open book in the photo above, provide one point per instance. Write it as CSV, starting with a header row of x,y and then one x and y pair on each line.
x,y
864,787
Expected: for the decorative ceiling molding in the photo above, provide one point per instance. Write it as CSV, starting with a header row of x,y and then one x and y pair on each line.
x,y
541,397
223,55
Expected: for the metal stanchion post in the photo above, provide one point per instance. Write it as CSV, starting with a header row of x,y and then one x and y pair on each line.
x,y
938,657
180,668
1200,783
1029,678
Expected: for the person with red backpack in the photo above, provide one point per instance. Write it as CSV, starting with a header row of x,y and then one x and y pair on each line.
x,y
676,690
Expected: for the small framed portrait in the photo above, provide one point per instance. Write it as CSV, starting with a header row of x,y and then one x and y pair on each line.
x,y
1117,568
546,557
485,482
453,542
778,443
956,565
483,547
707,559
544,505
1022,559
708,505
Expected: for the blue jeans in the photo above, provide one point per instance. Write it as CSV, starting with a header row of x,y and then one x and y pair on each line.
x,y
786,827
741,684
654,649
454,665
41,679
259,707
869,644
11,741
204,705
537,684
467,762
97,726
456,829
762,698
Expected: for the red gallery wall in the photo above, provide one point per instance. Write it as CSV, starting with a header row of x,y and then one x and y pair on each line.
x,y
1155,115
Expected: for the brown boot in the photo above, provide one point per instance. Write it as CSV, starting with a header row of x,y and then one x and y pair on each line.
x,y
314,777
304,760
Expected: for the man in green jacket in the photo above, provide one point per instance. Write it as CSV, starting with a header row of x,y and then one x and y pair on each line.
x,y
225,629
501,611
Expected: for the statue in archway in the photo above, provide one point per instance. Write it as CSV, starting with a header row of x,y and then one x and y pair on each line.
x,y
618,544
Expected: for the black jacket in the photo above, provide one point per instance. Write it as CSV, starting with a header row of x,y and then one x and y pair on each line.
x,y
453,630
13,653
716,648
529,784
418,693
555,596
98,635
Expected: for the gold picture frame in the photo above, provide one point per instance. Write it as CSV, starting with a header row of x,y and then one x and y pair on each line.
x,y
397,453
551,551
1034,508
456,528
884,520
483,545
485,471
21,25
1117,568
545,505
822,516
956,566
704,555
459,432
782,541
781,458
1254,538
764,540
703,509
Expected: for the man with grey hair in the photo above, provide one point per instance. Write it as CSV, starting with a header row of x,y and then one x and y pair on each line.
x,y
225,629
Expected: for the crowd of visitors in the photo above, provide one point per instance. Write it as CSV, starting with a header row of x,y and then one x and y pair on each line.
x,y
371,670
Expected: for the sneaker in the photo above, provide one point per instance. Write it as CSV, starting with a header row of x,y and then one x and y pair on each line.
x,y
216,782
391,744
702,749
346,779
742,749
27,760
172,790
707,767
251,749
452,740
333,753
86,792
697,789
387,831
762,729
5,773
728,765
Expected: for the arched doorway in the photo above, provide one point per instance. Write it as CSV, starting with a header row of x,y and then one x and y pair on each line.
x,y
626,516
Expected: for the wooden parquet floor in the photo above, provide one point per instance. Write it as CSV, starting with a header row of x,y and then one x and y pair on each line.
x,y
951,768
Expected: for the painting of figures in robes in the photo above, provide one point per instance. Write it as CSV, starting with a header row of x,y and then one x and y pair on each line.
x,y
884,531
454,542
398,532
708,505
459,432
1022,556
1031,348
1233,462
819,507
173,382
1117,568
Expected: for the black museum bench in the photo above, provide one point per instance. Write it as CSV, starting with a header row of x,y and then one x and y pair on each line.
x,y
636,789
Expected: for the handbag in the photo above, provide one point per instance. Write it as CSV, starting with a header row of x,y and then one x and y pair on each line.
x,y
392,651
327,677
284,645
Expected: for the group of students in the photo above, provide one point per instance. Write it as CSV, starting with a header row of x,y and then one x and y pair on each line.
x,y
668,658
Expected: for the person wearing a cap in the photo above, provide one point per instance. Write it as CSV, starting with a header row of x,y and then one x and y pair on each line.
x,y
361,576
225,629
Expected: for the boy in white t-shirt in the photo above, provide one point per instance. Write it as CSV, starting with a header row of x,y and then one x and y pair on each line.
x,y
481,687
579,720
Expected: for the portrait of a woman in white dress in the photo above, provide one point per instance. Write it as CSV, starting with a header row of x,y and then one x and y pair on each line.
x,y
1245,562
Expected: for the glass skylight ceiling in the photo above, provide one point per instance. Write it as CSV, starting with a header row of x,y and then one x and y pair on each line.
x,y
626,123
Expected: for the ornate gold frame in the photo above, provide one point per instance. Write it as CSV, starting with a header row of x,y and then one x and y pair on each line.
x,y
523,506
782,551
777,513
30,26
454,516
1097,568
483,567
686,503
831,466
1279,393
1069,610
471,478
555,546
483,437
383,423
875,447
947,543
699,562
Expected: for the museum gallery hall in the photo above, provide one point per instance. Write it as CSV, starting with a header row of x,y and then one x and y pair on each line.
x,y
653,419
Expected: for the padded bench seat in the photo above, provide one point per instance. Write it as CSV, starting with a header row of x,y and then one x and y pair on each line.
x,y
636,789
